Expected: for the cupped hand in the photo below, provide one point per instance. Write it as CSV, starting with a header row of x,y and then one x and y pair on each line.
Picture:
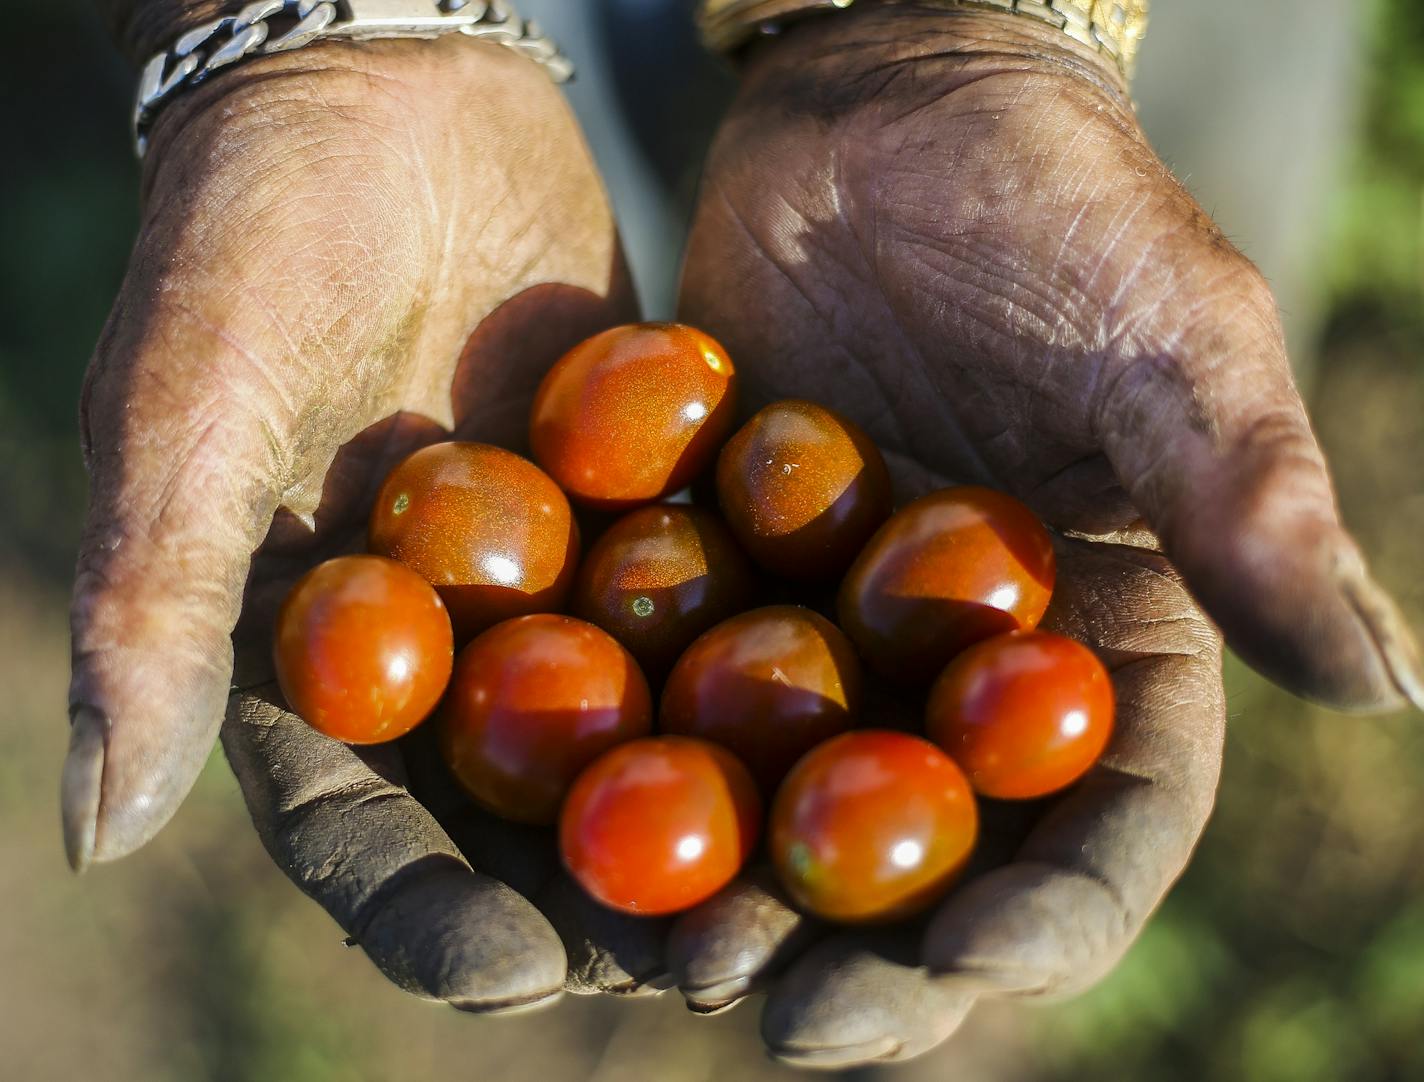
x,y
345,252
949,226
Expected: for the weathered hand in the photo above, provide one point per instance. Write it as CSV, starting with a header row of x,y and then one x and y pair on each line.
x,y
345,252
949,226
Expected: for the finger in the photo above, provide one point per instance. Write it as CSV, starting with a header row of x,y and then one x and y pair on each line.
x,y
1094,868
608,951
739,940
180,491
729,945
861,997
211,399
524,856
1085,877
1211,439
346,831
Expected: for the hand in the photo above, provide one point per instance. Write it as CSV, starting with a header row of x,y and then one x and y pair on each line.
x,y
345,252
949,226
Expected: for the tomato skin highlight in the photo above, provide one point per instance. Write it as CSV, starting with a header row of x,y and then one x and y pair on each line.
x,y
803,488
769,685
633,414
363,649
948,570
659,577
1024,714
656,826
872,826
486,527
531,703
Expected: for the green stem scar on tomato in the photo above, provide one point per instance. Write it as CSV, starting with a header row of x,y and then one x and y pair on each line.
x,y
658,578
487,528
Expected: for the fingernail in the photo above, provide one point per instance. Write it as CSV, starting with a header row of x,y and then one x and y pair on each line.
x,y
849,1055
713,998
1385,624
508,1007
707,1010
81,784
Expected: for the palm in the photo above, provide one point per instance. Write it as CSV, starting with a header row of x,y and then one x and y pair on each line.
x,y
952,227
958,236
1057,888
912,252
463,290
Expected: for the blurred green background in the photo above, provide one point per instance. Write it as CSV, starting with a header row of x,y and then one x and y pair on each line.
x,y
1293,949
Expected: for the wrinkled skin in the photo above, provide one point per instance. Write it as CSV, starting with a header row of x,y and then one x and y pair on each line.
x,y
345,252
949,227
944,225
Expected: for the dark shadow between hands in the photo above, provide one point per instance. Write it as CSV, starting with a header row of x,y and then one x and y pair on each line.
x,y
608,951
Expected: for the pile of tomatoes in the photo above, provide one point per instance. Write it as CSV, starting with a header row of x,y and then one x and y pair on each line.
x,y
549,718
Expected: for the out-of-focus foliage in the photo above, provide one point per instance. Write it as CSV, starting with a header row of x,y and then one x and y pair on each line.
x,y
68,207
1292,949
1376,258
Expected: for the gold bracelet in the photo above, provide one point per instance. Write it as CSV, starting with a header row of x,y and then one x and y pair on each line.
x,y
1114,27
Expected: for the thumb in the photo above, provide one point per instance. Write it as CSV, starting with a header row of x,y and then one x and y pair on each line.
x,y
182,475
1211,439
254,334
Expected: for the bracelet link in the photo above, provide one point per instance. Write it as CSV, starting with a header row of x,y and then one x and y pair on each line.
x,y
1112,27
204,49
1044,12
1078,23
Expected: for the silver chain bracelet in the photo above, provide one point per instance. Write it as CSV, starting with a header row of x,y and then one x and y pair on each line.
x,y
276,26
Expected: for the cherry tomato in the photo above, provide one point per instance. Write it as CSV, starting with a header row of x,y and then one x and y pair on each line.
x,y
657,825
803,489
946,571
489,529
363,649
1023,714
633,414
769,684
872,826
658,578
533,701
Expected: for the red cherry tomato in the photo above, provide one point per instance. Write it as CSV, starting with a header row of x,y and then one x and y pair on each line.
x,y
533,701
946,571
489,529
769,684
1023,714
658,578
872,826
657,825
633,414
803,489
363,649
